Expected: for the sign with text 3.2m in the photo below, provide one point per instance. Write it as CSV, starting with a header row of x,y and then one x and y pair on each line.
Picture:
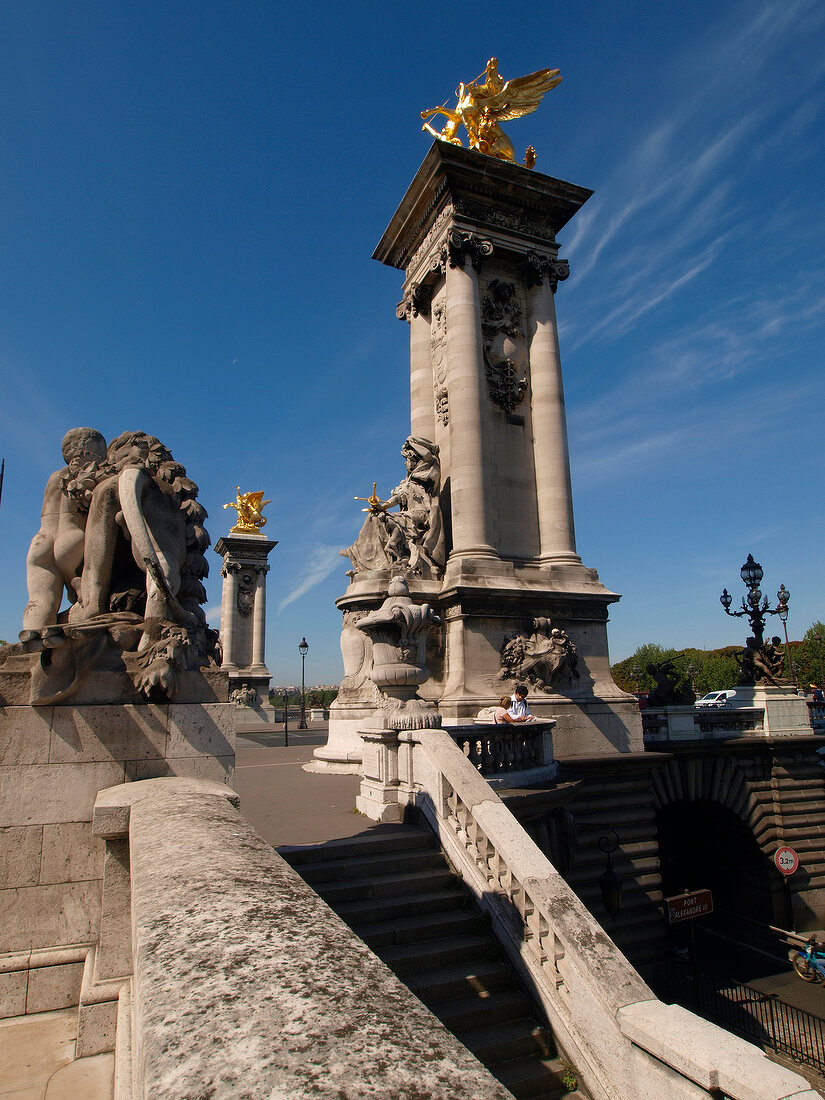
x,y
696,903
786,860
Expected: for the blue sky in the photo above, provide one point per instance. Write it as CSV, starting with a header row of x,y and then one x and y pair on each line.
x,y
191,194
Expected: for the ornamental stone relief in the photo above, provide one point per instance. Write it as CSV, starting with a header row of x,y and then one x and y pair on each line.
x,y
434,233
479,211
505,347
246,592
438,355
537,268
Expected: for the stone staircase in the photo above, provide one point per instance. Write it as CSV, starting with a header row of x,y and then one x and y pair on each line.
x,y
394,889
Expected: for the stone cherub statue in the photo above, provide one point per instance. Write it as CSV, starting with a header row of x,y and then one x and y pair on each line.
x,y
411,539
483,105
249,507
121,537
541,657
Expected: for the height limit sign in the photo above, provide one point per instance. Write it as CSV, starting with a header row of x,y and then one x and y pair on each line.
x,y
786,860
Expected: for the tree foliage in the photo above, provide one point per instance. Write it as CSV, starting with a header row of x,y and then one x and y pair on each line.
x,y
717,669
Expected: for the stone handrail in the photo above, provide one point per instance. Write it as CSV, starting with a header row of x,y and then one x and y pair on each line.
x,y
239,980
499,749
626,1044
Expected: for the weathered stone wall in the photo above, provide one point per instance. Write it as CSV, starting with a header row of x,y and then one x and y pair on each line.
x,y
53,762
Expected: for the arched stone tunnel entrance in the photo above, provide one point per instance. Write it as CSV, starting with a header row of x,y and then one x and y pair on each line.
x,y
705,845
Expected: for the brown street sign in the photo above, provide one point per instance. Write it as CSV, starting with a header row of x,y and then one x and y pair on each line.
x,y
697,903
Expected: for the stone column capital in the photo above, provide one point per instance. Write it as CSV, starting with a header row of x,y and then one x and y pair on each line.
x,y
230,567
537,268
458,247
416,300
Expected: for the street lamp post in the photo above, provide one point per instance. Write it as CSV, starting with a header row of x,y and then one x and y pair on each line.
x,y
302,649
782,597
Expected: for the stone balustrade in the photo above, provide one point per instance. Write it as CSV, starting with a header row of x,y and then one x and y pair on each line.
x,y
236,979
500,750
626,1043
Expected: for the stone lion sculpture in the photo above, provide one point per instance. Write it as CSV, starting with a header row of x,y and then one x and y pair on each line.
x,y
122,539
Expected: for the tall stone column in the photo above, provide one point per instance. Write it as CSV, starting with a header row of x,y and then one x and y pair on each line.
x,y
259,621
553,487
243,609
415,308
465,380
229,572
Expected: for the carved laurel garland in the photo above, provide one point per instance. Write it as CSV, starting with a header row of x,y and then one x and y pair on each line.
x,y
479,211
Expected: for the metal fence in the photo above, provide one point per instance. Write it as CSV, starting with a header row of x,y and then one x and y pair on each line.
x,y
759,1017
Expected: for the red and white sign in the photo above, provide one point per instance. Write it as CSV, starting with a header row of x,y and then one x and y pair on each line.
x,y
786,860
687,906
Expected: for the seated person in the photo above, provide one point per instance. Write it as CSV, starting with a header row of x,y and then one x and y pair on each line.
x,y
519,711
500,715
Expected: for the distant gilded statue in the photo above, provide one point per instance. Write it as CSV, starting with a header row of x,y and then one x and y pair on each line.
x,y
411,539
483,105
249,507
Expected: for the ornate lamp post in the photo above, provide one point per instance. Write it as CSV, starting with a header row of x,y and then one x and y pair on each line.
x,y
302,649
755,605
782,597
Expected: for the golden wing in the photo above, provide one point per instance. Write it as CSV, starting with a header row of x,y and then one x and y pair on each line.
x,y
257,498
520,96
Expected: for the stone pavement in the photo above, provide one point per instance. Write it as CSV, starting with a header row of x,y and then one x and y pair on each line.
x,y
287,805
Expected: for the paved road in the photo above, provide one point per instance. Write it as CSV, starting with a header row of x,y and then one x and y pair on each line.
x,y
285,804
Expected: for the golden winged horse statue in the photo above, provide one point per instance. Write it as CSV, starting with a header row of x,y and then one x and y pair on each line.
x,y
481,107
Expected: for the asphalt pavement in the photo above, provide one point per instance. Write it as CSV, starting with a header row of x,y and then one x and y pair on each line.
x,y
285,804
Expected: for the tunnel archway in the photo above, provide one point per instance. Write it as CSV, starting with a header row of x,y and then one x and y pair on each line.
x,y
705,845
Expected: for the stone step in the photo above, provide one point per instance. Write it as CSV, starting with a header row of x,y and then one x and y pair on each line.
x,y
503,1042
433,954
363,913
387,886
475,1010
415,929
477,977
534,1077
375,865
395,840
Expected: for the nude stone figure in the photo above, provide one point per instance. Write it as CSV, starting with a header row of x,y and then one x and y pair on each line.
x,y
55,555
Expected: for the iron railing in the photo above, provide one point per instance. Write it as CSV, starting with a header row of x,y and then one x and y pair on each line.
x,y
762,1018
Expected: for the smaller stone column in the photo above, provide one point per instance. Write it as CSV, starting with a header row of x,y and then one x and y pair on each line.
x,y
243,610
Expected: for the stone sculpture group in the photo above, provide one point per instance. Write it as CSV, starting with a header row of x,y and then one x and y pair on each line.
x,y
411,539
122,538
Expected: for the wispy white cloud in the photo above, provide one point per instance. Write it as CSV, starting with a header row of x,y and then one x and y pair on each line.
x,y
321,562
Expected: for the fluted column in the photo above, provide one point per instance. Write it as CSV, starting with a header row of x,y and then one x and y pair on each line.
x,y
466,384
259,620
228,597
553,487
415,308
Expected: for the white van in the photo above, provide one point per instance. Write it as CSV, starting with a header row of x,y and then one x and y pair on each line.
x,y
716,699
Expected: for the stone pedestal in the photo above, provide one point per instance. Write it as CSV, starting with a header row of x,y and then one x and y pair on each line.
x,y
476,239
785,713
243,610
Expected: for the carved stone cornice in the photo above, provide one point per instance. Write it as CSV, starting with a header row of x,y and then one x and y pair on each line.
x,y
435,231
417,300
458,247
537,268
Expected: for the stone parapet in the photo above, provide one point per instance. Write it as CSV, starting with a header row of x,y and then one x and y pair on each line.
x,y
246,983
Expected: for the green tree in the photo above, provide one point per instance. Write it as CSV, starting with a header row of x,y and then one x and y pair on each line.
x,y
651,653
809,656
